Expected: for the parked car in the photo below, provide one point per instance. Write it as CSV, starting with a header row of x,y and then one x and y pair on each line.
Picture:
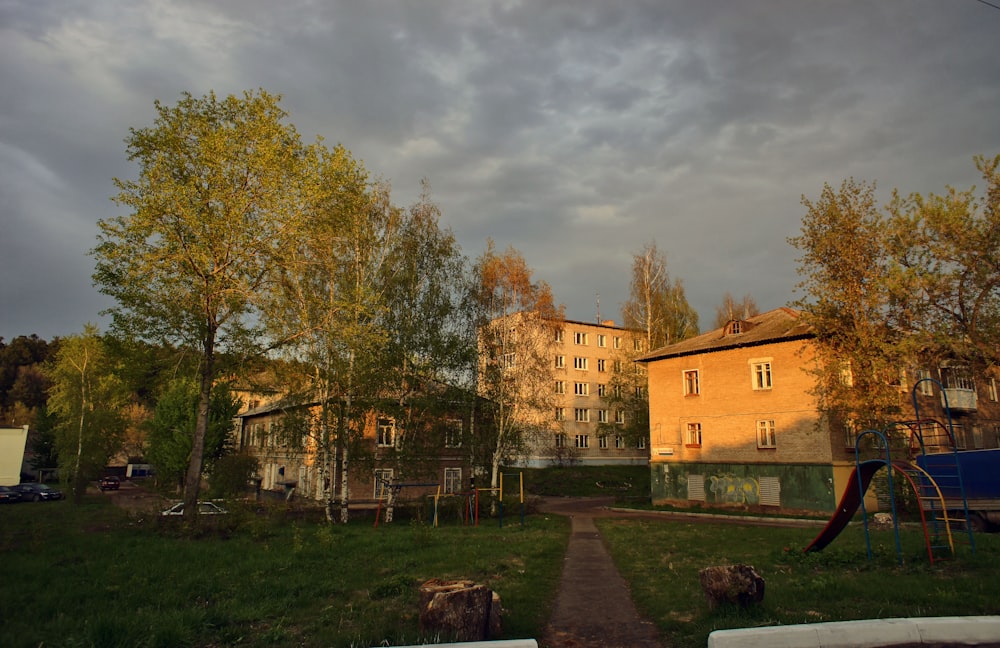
x,y
8,495
109,483
204,508
34,492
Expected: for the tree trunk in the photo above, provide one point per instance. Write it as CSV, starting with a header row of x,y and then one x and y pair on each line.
x,y
192,483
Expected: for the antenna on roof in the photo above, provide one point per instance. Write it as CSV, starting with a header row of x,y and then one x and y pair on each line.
x,y
598,295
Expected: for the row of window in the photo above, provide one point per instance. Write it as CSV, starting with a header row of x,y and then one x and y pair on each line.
x,y
583,389
384,476
386,437
760,378
582,415
583,364
766,438
582,441
583,339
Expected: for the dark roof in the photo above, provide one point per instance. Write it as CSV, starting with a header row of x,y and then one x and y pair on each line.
x,y
779,325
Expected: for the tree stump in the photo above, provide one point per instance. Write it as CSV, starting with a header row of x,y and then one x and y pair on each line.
x,y
459,610
735,584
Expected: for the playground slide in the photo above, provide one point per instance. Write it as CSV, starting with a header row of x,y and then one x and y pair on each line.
x,y
849,503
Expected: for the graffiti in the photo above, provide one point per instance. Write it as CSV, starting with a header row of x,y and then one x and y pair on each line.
x,y
734,490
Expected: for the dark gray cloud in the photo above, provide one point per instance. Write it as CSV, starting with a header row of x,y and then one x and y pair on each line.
x,y
575,131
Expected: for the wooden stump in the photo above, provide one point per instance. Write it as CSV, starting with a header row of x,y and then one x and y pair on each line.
x,y
735,584
459,610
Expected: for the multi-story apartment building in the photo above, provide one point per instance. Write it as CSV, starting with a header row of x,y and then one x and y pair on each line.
x,y
586,356
734,418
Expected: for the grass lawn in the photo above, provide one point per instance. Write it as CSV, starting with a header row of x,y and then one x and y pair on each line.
x,y
661,561
94,576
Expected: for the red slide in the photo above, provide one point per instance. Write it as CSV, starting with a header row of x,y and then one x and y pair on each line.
x,y
849,503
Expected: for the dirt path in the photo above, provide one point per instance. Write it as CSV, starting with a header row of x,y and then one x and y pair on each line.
x,y
594,607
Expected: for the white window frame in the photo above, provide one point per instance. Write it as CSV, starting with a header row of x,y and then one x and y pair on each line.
x,y
619,417
619,441
508,360
602,442
640,444
560,387
637,344
452,480
559,335
602,340
580,338
991,390
560,440
766,438
691,380
602,389
926,386
761,374
602,364
560,362
384,426
382,479
581,389
581,415
581,441
617,341
581,363
560,413
693,434
602,416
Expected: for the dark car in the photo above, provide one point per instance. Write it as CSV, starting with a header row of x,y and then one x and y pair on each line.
x,y
109,483
8,495
33,492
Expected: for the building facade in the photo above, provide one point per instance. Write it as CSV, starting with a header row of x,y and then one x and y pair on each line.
x,y
734,419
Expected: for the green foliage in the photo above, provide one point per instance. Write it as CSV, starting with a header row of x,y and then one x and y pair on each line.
x,y
231,475
23,383
621,482
171,430
657,306
87,400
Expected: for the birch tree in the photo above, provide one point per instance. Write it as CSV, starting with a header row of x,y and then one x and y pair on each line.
x,y
216,200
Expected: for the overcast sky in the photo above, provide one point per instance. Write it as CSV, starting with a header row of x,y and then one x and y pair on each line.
x,y
575,131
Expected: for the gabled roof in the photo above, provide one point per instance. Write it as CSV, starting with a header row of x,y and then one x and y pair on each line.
x,y
779,325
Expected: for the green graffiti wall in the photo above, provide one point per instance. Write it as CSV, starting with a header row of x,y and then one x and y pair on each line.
x,y
803,486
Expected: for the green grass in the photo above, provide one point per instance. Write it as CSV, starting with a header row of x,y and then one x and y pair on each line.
x,y
93,576
661,561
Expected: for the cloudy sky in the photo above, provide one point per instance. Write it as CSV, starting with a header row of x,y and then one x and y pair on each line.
x,y
575,131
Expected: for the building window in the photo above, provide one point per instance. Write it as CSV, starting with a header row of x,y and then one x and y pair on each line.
x,y
692,385
850,435
580,363
581,415
453,433
559,335
761,374
765,434
617,390
579,338
735,327
602,340
620,417
582,440
641,443
383,478
602,442
560,440
452,480
560,362
617,365
601,366
508,361
560,414
619,441
694,434
602,416
925,382
617,341
581,389
560,387
637,345
602,390
385,433
992,390
638,391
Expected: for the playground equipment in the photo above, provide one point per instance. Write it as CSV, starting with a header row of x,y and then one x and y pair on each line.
x,y
938,480
500,492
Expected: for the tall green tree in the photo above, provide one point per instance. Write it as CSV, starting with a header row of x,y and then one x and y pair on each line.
x,y
171,428
87,399
657,307
947,251
217,200
849,301
517,321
